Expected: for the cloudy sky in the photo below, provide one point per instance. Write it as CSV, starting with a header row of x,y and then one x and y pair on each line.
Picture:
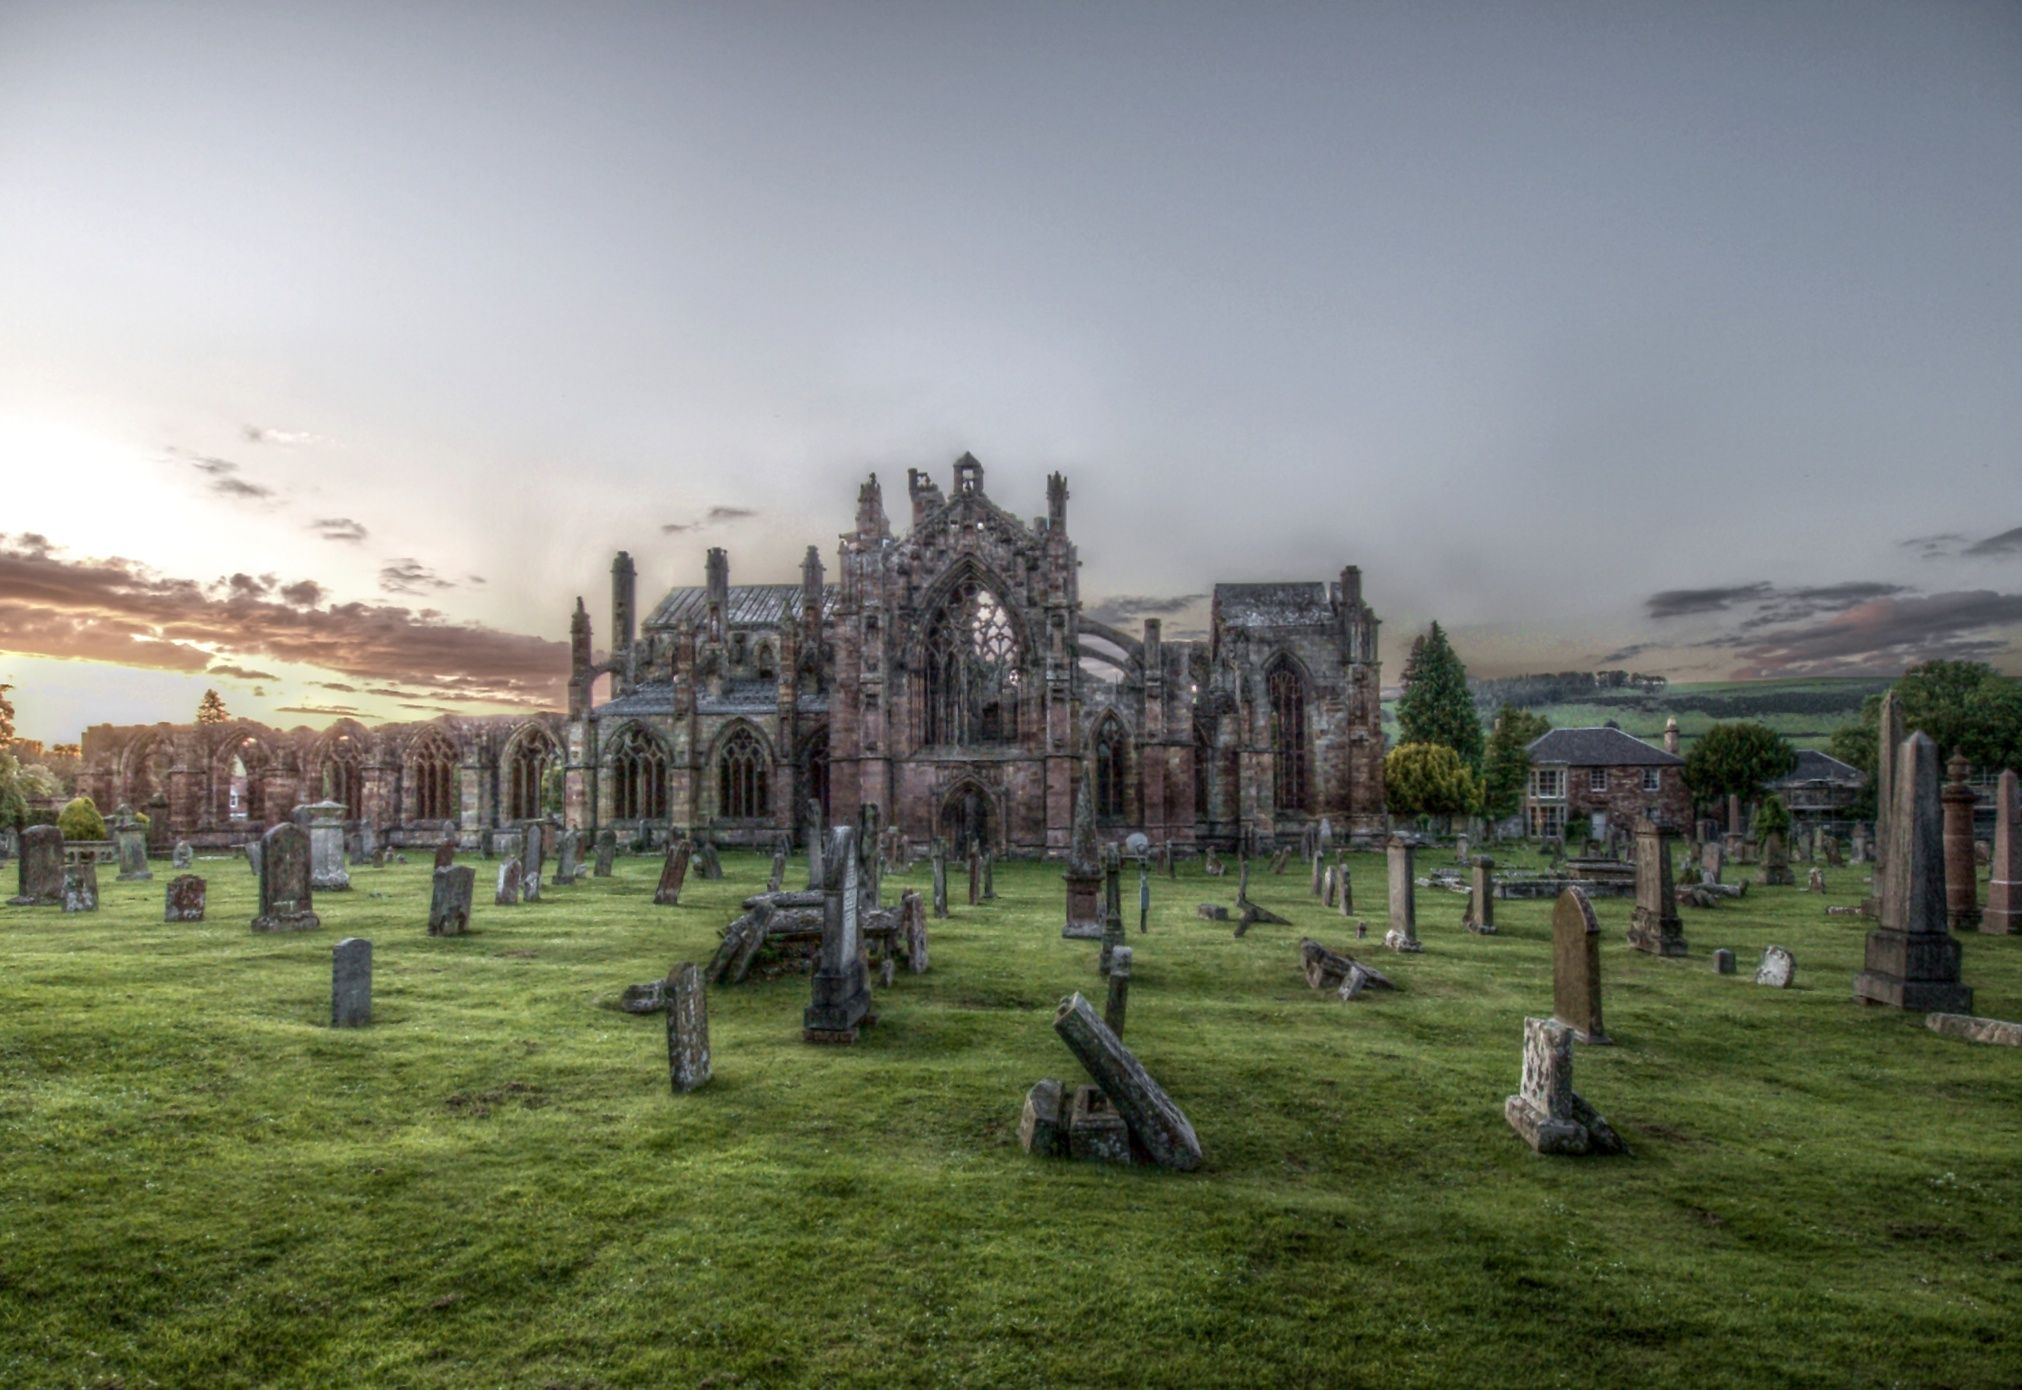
x,y
341,345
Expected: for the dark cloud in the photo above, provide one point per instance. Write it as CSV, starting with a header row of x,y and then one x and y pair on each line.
x,y
715,516
1124,608
245,586
1883,636
119,611
316,709
241,673
338,686
239,487
2007,543
338,528
1933,547
410,577
1634,649
1677,603
304,593
223,475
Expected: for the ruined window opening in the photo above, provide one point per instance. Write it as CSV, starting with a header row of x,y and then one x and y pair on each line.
x,y
1110,767
341,778
638,777
743,773
1288,722
973,680
526,775
431,771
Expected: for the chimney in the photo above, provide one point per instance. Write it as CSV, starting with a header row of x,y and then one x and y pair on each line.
x,y
1671,735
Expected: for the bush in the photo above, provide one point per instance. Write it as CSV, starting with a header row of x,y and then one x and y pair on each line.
x,y
1771,819
80,821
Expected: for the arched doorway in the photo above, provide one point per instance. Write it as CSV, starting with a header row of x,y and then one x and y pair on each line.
x,y
967,816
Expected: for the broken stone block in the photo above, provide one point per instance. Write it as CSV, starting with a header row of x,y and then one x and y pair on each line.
x,y
1547,1111
1778,968
1998,1031
647,998
1041,1127
1096,1133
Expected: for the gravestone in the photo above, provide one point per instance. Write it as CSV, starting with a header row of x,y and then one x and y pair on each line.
x,y
39,873
1712,859
1331,886
184,856
841,988
870,873
1962,873
1655,926
129,837
1319,875
1480,917
1912,961
1118,1003
989,875
817,833
1778,968
1576,966
1835,858
1890,734
975,874
940,878
533,861
327,873
568,855
1112,908
1814,880
1281,859
687,1029
1460,847
707,862
1347,881
449,904
445,854
777,874
1403,933
607,853
351,982
1158,1125
1860,842
285,898
1143,896
1776,862
673,873
2004,876
1723,961
1084,872
508,892
1096,1133
184,900
254,849
1042,1128
80,887
913,931
1547,1111
1211,863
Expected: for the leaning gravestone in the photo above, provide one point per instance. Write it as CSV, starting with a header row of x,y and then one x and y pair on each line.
x,y
184,856
40,869
568,852
1403,933
1655,926
841,992
687,1028
285,900
534,861
1778,968
1547,1111
607,853
673,873
184,900
449,904
508,892
80,887
1576,966
351,982
1154,1121
1912,960
1480,917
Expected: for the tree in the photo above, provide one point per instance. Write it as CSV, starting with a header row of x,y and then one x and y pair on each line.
x,y
1964,706
1738,758
6,720
1771,819
1436,706
211,709
1506,766
1428,779
80,820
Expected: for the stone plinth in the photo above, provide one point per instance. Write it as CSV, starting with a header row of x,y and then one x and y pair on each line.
x,y
327,873
1547,1111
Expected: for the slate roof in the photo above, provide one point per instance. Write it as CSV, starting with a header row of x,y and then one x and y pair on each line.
x,y
751,605
1602,747
1814,766
738,697
1297,603
640,699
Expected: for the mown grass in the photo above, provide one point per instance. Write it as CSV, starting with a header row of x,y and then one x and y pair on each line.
x,y
493,1186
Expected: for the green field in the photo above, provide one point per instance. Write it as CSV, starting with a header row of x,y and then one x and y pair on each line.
x,y
493,1186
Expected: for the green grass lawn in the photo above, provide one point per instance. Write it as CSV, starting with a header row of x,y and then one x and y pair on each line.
x,y
203,1185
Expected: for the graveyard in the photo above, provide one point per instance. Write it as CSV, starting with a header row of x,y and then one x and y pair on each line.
x,y
491,1182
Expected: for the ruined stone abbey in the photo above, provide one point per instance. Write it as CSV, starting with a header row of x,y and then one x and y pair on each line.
x,y
944,672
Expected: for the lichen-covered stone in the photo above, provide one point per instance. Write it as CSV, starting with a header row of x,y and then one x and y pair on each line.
x,y
183,901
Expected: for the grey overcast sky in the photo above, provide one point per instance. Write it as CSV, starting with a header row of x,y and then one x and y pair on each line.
x,y
341,345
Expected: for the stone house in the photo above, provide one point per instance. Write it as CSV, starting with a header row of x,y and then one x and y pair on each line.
x,y
1606,777
1820,792
944,676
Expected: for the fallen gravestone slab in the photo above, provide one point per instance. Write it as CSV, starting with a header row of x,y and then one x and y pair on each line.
x,y
647,998
1156,1123
1998,1031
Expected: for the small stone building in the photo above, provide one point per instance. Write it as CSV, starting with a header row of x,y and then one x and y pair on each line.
x,y
1607,778
1820,792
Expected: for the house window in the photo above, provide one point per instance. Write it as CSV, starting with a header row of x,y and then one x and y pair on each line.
x,y
1653,779
1548,822
1548,783
1597,779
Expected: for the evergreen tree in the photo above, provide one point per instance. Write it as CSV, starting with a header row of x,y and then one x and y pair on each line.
x,y
211,709
1772,818
1436,706
1506,767
1738,758
1428,779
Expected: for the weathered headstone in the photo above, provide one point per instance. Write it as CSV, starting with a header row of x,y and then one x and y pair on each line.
x,y
841,989
351,982
1655,926
1576,966
1776,862
1480,916
40,869
1119,990
1331,886
1962,875
534,845
255,848
445,854
1211,863
1403,933
184,900
129,837
1319,875
1891,735
1112,908
285,898
2004,869
913,931
1347,881
1712,859
508,892
1778,968
1723,961
708,862
870,873
1143,896
777,874
817,834
568,855
1042,1128
449,903
80,887
1912,960
673,873
1084,872
975,874
989,875
1154,1121
326,847
1860,842
184,856
688,1064
1814,880
607,853
1547,1111
940,878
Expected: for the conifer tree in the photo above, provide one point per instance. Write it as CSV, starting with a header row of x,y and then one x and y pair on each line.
x,y
1436,706
1507,765
211,709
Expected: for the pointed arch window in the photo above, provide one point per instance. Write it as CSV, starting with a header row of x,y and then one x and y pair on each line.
x,y
431,771
1287,690
1111,766
1203,750
533,753
341,779
973,672
638,776
743,771
814,769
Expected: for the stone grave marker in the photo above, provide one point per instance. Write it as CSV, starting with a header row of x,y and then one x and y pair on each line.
x,y
1962,861
80,887
1814,880
285,898
1655,926
1347,881
989,875
1778,968
351,982
508,892
1403,933
568,855
1547,1111
940,879
1712,859
777,874
449,904
327,873
1112,908
1119,990
1083,876
975,874
129,838
534,845
1480,915
1776,871
1576,966
1042,1128
607,853
688,1064
1912,961
445,854
1723,961
2004,870
184,856
841,988
184,900
673,873
816,833
913,931
39,871
1153,1120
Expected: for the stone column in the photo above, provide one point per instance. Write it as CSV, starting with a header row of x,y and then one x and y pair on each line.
x,y
326,848
1655,926
1403,933
1962,886
2004,891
